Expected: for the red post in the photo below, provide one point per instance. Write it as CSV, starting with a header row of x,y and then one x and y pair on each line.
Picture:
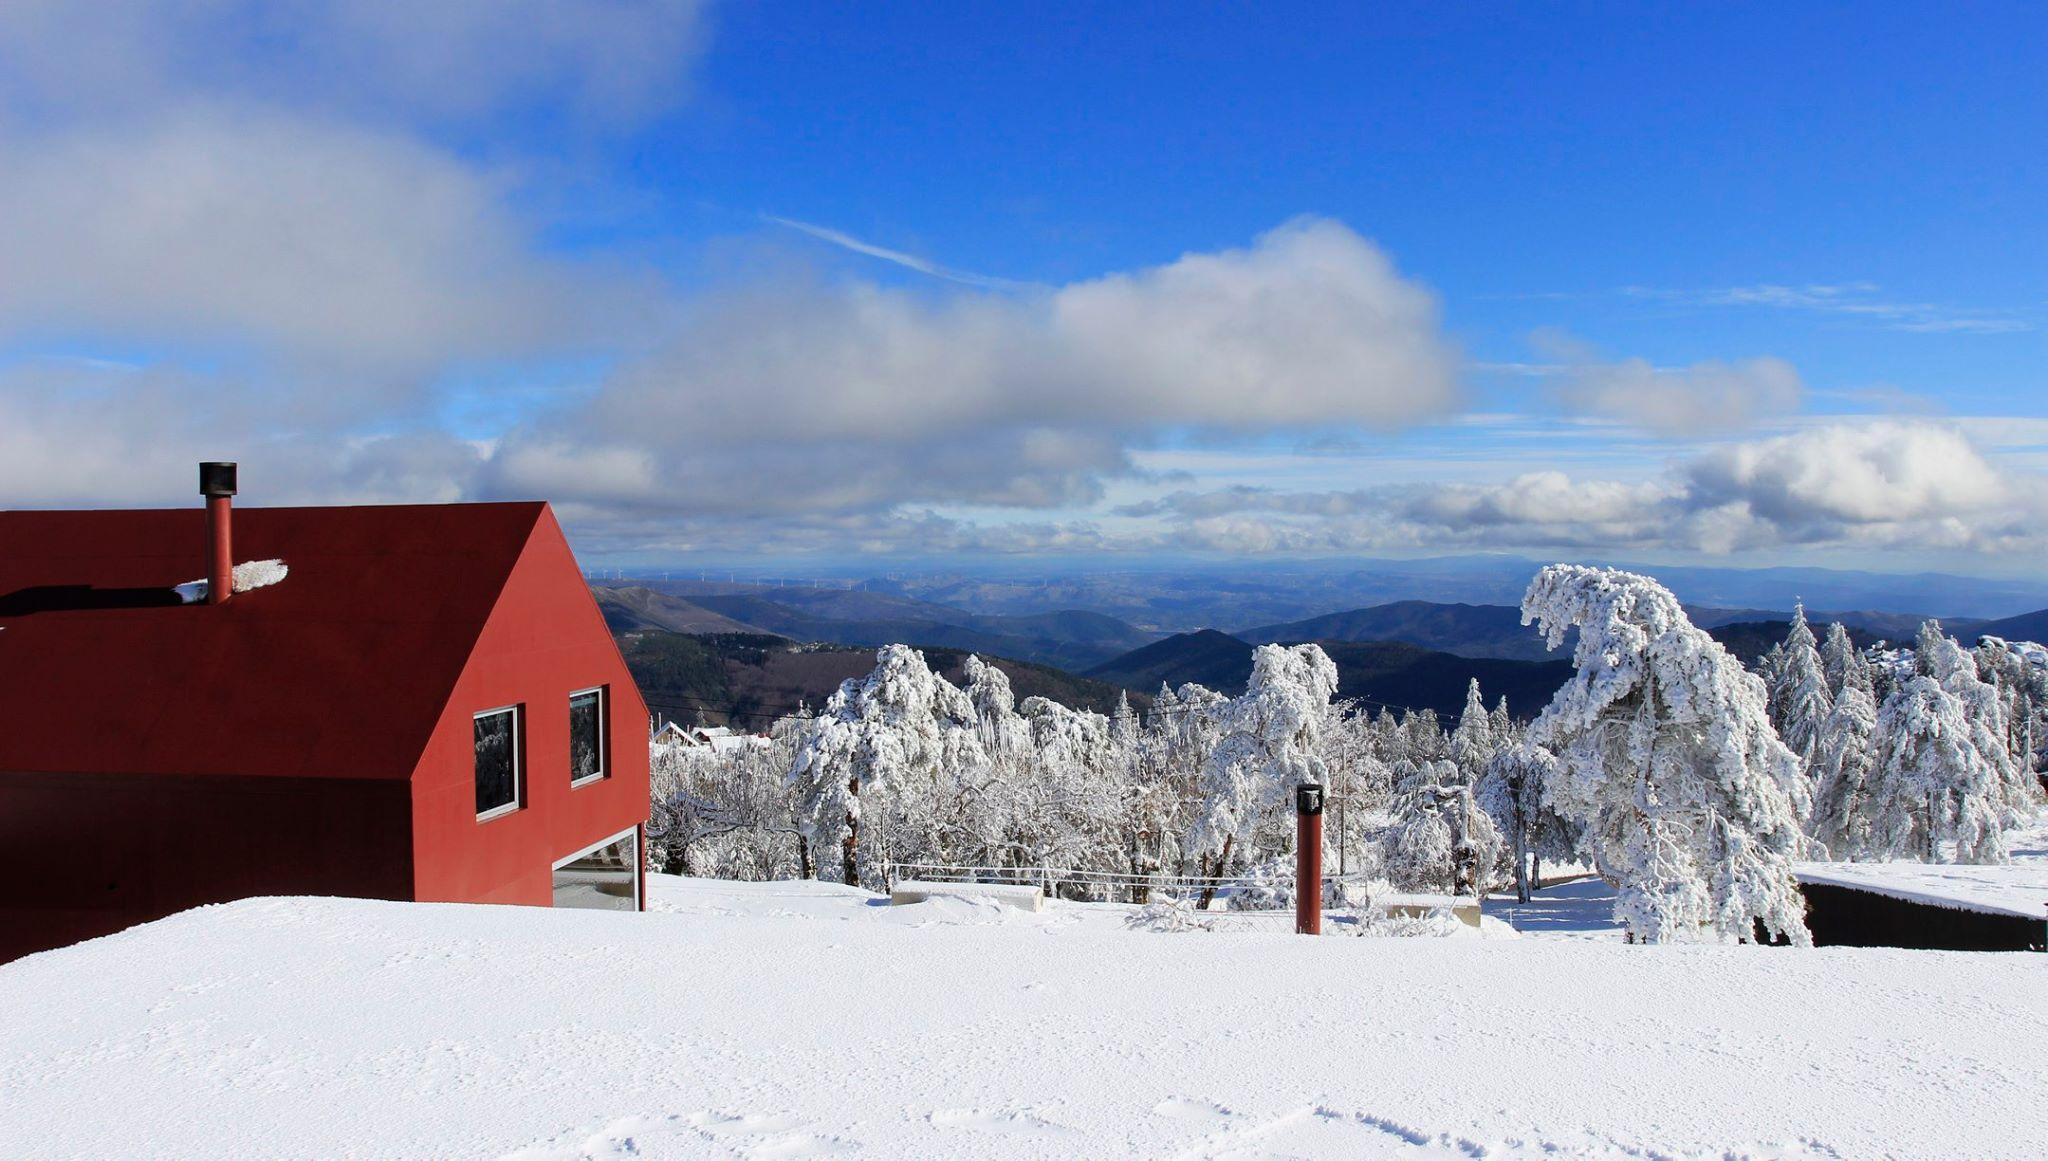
x,y
220,572
217,484
1308,859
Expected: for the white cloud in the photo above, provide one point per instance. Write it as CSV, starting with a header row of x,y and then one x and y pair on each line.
x,y
1914,486
1706,397
325,245
1877,473
851,396
601,60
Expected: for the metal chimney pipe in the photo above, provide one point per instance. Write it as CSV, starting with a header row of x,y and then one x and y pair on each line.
x,y
217,484
1308,859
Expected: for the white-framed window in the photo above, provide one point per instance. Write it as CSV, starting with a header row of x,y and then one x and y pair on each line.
x,y
500,761
589,736
604,875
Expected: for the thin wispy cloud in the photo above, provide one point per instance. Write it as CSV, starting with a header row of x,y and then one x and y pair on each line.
x,y
1853,299
847,241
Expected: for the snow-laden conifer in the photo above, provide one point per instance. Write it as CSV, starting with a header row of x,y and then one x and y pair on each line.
x,y
1514,793
1801,693
1690,801
1942,787
1843,766
889,738
1839,658
1441,839
2020,678
1268,747
1473,743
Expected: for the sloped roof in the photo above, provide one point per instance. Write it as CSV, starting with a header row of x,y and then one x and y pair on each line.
x,y
339,671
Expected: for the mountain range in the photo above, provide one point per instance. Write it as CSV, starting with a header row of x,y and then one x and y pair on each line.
x,y
1410,653
1390,674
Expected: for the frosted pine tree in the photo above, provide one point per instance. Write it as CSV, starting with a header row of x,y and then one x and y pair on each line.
x,y
1442,840
1839,658
1514,793
1801,694
1844,763
1956,668
1269,747
1473,743
2022,690
1690,801
891,738
1942,785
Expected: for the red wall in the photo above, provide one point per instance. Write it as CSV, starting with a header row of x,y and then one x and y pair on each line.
x,y
544,640
84,855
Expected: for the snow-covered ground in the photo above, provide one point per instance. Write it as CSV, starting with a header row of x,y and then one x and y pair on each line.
x,y
783,1019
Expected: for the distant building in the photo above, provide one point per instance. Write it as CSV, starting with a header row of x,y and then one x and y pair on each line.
x,y
719,739
420,704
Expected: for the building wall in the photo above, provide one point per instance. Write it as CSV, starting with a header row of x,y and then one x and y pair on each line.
x,y
544,640
85,855
1844,917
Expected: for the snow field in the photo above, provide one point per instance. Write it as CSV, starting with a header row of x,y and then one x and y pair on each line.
x,y
787,1019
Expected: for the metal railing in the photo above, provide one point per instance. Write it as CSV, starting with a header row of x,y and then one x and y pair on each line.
x,y
1051,879
1139,887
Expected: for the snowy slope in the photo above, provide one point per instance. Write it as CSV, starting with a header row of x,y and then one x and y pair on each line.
x,y
789,1019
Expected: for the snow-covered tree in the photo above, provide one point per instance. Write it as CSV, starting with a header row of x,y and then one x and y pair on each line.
x,y
1441,839
1690,801
2020,681
1944,779
1839,659
1843,766
1514,793
1268,748
2018,689
889,738
1473,743
1801,694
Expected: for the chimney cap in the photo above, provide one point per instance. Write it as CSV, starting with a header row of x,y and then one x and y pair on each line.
x,y
217,479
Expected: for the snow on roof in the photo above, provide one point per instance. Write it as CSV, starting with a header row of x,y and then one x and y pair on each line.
x,y
2017,888
722,1027
250,574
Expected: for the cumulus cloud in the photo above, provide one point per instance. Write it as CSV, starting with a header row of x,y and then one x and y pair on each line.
x,y
1705,397
852,396
773,400
313,242
603,60
1884,484
1846,475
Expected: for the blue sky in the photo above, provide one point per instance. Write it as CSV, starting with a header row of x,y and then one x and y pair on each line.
x,y
821,282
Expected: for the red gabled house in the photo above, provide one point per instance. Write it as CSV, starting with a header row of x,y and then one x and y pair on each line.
x,y
427,706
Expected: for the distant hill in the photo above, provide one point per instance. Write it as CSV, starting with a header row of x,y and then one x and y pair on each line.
x,y
1206,656
626,609
1066,639
2025,627
1497,630
749,680
1749,640
1390,673
1466,630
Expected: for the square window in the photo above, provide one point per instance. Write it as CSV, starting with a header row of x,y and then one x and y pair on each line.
x,y
587,749
497,762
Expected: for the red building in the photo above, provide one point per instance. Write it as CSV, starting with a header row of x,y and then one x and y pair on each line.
x,y
427,706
